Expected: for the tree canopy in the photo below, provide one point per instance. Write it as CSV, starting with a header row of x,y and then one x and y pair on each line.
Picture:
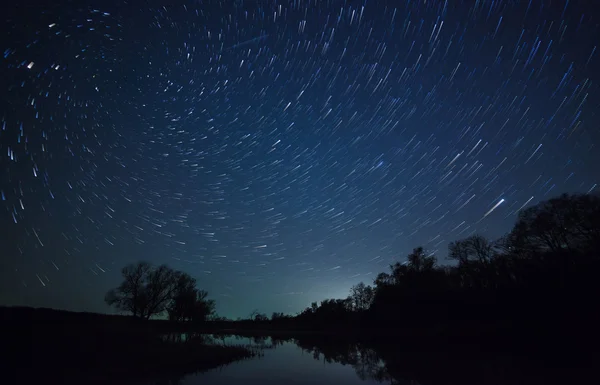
x,y
148,291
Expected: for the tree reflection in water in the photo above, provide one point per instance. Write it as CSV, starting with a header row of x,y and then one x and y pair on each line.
x,y
391,361
366,361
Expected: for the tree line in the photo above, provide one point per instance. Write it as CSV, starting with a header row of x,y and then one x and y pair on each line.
x,y
544,270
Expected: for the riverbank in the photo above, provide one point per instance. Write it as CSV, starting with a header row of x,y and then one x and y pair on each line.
x,y
56,346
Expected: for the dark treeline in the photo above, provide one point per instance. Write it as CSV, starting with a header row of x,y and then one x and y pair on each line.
x,y
539,278
543,274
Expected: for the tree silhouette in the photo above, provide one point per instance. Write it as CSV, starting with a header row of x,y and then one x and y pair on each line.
x,y
361,296
131,295
474,248
147,291
183,304
278,316
565,223
161,287
203,307
419,261
257,316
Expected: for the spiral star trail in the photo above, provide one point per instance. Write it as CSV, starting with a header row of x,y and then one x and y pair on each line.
x,y
280,151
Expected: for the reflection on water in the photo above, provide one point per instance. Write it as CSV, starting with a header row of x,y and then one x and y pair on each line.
x,y
286,362
320,359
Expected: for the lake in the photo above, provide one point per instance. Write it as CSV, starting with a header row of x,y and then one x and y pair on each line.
x,y
330,359
282,363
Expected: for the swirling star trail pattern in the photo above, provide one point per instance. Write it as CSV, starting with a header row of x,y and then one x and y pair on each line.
x,y
280,151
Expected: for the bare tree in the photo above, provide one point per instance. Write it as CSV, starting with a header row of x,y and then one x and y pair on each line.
x,y
147,291
131,295
257,316
473,248
475,256
161,287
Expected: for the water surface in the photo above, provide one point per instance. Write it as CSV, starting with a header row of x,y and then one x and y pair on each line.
x,y
284,363
329,359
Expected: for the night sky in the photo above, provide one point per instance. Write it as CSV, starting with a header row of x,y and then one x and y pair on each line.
x,y
280,151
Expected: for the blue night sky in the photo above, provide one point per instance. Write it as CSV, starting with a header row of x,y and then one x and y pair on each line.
x,y
280,151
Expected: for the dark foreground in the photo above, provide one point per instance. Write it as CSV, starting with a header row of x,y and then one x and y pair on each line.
x,y
55,346
48,346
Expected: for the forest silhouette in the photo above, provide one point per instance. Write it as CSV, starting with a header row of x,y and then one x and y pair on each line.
x,y
539,278
542,274
537,281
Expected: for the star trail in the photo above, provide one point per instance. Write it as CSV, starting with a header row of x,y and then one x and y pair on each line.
x,y
280,151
